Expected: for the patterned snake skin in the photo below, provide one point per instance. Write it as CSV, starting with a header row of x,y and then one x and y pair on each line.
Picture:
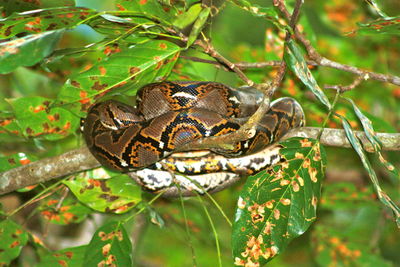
x,y
169,115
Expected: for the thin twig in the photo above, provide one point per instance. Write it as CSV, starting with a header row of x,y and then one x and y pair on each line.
x,y
366,75
292,23
345,88
210,50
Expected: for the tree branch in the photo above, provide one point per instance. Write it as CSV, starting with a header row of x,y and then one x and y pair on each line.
x,y
210,50
322,61
80,159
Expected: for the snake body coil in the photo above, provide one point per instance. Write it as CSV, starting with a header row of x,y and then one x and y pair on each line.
x,y
172,114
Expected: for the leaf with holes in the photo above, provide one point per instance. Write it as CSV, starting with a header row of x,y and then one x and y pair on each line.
x,y
120,69
13,238
66,212
117,194
36,117
278,205
28,50
356,144
66,257
41,20
390,26
298,65
110,246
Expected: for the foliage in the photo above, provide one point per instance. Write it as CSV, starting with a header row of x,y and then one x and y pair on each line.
x,y
60,58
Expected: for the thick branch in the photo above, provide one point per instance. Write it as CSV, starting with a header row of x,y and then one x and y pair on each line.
x,y
80,159
47,169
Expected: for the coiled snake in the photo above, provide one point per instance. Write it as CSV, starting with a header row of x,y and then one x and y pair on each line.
x,y
169,115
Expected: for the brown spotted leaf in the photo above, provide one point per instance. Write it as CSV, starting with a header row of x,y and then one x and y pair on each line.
x,y
68,211
298,65
24,5
277,206
13,238
110,246
15,160
28,50
381,26
42,20
358,148
117,194
8,126
151,60
133,29
148,8
36,118
373,138
66,257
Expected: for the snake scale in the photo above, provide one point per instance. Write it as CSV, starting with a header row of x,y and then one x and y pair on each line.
x,y
168,115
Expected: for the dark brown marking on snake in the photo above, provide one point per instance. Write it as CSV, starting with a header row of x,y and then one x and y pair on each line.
x,y
172,114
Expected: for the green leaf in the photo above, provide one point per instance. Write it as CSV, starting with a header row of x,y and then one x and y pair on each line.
x,y
298,65
356,144
332,247
198,25
378,10
117,194
110,246
13,238
151,9
390,26
367,125
8,127
256,10
66,257
42,20
36,117
373,138
188,17
277,206
28,50
15,160
154,58
132,29
22,5
67,212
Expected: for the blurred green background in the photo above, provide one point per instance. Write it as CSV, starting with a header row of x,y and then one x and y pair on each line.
x,y
352,225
